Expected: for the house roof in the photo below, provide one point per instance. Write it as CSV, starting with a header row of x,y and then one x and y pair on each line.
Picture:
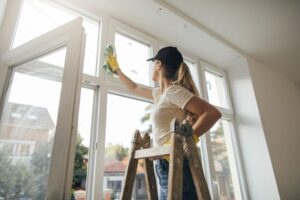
x,y
140,166
115,166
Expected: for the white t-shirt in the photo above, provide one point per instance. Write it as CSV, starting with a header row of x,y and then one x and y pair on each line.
x,y
167,106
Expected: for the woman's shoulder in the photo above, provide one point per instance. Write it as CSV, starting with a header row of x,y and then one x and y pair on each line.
x,y
178,95
155,93
175,88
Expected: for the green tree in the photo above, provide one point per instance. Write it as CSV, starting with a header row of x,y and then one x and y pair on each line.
x,y
15,178
146,118
40,163
30,178
116,151
22,175
80,169
219,146
5,181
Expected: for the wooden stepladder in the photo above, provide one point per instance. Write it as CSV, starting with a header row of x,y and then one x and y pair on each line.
x,y
182,144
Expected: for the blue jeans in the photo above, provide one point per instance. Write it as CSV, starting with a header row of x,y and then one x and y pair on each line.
x,y
188,188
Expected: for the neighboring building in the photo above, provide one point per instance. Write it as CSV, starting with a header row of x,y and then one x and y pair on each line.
x,y
23,128
114,172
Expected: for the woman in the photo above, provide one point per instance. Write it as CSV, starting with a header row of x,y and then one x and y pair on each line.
x,y
176,97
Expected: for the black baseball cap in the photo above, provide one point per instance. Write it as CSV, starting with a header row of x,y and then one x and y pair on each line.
x,y
168,55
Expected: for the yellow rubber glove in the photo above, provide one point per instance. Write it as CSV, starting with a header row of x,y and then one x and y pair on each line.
x,y
111,64
196,140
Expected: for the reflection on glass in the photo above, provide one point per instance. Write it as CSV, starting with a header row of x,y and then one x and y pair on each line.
x,y
132,56
215,85
37,18
27,127
124,116
225,168
79,184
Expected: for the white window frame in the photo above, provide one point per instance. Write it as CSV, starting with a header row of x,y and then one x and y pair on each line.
x,y
72,37
114,86
7,36
227,114
103,87
90,177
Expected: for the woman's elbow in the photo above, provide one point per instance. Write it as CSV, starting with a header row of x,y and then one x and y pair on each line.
x,y
217,114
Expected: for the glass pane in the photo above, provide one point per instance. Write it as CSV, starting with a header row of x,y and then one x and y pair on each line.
x,y
27,126
37,18
132,56
224,161
83,143
124,116
91,46
215,85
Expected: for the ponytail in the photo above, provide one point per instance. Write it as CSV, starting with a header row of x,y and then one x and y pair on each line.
x,y
184,78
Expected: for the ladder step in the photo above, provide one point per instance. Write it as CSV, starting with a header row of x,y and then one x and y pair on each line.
x,y
153,153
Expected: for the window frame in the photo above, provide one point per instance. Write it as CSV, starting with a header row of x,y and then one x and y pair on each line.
x,y
103,86
227,114
70,36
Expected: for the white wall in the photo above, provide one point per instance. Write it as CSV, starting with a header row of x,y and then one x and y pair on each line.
x,y
2,10
279,106
255,155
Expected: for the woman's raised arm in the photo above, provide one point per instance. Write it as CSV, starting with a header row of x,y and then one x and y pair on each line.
x,y
133,87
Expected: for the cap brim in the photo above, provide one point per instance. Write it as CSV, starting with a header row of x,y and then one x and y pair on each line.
x,y
151,59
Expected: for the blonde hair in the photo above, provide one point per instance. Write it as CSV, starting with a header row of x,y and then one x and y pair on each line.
x,y
184,78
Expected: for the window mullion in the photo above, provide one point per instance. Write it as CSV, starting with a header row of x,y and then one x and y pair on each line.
x,y
100,144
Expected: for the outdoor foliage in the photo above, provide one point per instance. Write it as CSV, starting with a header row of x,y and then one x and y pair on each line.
x,y
28,178
116,151
24,178
80,168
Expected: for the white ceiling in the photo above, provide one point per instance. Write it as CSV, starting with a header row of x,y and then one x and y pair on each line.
x,y
268,31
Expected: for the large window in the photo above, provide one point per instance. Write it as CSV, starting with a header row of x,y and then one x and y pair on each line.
x,y
33,83
37,18
33,103
225,176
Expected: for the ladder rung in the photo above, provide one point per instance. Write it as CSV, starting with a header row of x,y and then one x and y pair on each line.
x,y
152,152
